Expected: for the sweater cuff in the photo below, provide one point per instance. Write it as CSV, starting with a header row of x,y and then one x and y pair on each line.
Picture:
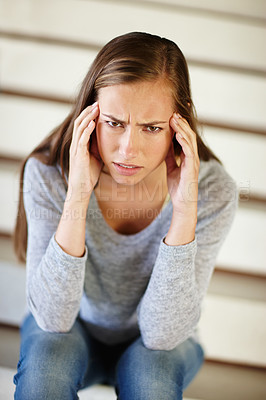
x,y
64,265
180,251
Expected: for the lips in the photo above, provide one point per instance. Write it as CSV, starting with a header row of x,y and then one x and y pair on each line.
x,y
127,169
128,165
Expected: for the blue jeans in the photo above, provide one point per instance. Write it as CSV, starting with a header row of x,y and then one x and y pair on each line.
x,y
55,366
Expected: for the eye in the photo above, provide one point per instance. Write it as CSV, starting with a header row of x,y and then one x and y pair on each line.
x,y
113,124
153,129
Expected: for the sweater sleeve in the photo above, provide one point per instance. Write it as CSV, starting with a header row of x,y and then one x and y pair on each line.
x,y
170,308
55,279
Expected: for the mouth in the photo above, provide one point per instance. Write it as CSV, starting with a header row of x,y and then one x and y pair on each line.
x,y
127,169
127,165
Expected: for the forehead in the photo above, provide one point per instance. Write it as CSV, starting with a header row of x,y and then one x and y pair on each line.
x,y
146,98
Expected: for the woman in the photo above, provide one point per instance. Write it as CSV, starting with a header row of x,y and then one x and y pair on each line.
x,y
124,210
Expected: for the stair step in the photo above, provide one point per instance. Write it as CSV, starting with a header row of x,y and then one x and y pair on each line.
x,y
97,392
227,326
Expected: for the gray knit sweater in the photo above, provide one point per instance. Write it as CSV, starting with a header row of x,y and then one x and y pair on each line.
x,y
124,285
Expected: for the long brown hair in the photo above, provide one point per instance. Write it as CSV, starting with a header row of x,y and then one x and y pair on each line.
x,y
132,57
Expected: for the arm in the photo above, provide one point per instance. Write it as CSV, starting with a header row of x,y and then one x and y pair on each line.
x,y
170,308
56,262
54,281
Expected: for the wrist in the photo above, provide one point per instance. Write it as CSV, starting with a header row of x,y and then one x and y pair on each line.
x,y
181,231
75,208
77,199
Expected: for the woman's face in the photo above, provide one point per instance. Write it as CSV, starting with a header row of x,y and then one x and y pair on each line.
x,y
133,131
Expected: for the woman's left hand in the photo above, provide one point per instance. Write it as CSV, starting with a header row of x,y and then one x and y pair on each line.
x,y
183,180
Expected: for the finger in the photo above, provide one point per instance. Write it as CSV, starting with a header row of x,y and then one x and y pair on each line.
x,y
85,112
181,136
187,132
185,136
85,137
184,126
78,129
185,144
91,116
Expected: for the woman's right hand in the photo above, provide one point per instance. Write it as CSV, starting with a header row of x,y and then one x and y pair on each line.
x,y
84,167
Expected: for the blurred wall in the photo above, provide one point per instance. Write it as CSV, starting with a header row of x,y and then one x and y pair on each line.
x,y
45,51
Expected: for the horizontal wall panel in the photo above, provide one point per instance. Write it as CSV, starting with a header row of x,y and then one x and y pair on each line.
x,y
208,38
245,286
243,155
58,71
43,69
247,8
234,329
9,182
12,293
242,251
244,248
223,326
25,122
229,97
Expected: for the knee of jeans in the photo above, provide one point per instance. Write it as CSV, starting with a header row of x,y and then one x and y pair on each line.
x,y
149,390
51,350
144,374
33,385
46,374
50,363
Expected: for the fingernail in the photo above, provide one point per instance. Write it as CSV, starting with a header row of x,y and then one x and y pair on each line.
x,y
95,104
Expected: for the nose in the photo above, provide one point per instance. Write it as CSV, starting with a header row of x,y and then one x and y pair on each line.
x,y
129,144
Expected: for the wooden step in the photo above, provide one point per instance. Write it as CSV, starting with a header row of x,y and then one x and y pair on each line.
x,y
243,249
25,123
243,155
97,392
129,16
234,329
247,10
214,381
218,94
227,326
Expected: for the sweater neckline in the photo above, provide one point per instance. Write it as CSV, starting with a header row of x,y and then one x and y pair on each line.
x,y
134,236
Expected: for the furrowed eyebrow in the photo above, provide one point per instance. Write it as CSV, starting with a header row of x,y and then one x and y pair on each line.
x,y
144,124
114,118
152,123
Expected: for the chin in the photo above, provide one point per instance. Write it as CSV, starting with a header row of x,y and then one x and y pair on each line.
x,y
126,180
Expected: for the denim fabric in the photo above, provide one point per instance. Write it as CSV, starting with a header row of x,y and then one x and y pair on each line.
x,y
55,366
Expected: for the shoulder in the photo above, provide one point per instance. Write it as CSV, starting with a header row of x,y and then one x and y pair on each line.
x,y
214,177
217,189
34,167
42,179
